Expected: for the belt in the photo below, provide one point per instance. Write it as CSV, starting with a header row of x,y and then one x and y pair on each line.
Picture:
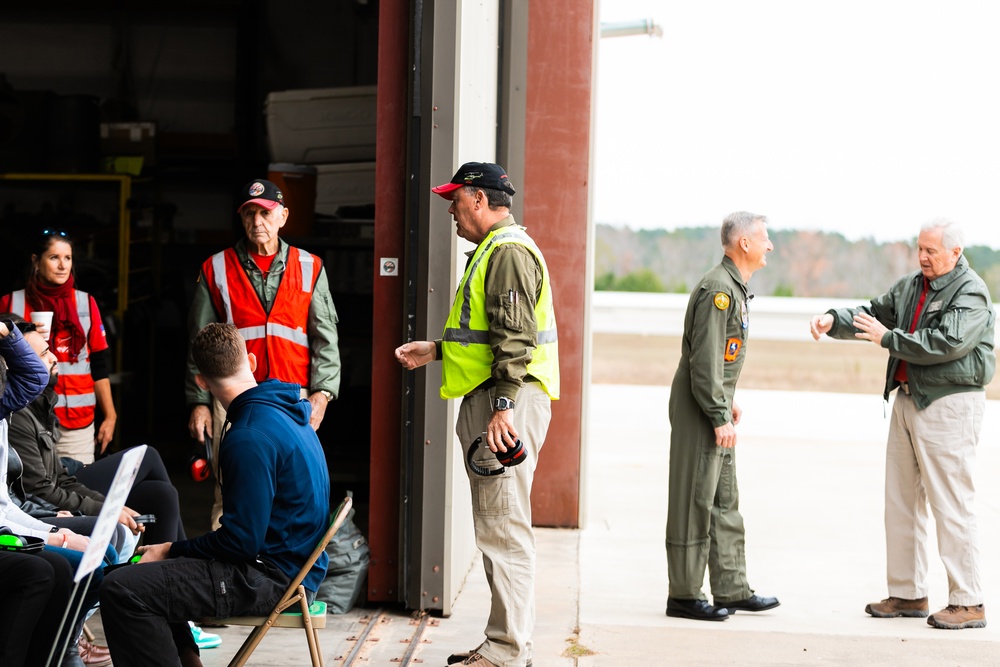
x,y
490,383
905,387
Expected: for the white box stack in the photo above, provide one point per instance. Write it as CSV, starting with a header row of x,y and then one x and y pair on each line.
x,y
321,125
337,185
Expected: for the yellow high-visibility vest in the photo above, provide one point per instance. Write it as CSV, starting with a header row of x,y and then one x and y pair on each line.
x,y
467,357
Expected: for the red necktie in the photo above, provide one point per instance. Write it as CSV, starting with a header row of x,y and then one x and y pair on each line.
x,y
900,375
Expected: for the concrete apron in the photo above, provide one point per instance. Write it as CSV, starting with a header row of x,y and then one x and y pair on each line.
x,y
811,485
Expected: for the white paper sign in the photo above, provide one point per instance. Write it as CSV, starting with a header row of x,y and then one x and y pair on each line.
x,y
114,501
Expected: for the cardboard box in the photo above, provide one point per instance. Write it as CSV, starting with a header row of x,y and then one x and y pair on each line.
x,y
321,125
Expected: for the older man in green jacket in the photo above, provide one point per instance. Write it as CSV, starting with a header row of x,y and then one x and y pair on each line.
x,y
937,324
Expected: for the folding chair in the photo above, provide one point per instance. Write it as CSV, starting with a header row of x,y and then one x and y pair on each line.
x,y
310,618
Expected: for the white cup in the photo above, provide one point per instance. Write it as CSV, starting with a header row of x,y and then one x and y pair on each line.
x,y
43,318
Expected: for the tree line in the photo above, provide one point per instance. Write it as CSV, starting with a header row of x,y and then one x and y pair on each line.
x,y
803,263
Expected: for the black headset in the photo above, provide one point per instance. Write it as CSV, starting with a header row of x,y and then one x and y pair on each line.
x,y
513,456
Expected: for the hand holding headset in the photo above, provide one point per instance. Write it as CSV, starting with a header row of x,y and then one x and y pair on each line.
x,y
201,460
513,456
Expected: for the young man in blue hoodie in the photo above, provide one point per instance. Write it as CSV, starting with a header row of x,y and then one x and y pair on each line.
x,y
276,507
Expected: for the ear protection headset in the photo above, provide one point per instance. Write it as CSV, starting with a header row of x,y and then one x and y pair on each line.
x,y
201,460
11,542
513,456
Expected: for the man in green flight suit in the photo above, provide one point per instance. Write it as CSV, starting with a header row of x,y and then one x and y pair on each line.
x,y
704,526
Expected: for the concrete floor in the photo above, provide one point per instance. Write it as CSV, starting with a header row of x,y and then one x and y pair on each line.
x,y
810,469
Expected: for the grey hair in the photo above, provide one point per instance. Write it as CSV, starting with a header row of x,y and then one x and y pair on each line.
x,y
737,225
495,198
952,235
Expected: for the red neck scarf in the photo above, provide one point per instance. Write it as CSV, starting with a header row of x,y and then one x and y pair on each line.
x,y
62,302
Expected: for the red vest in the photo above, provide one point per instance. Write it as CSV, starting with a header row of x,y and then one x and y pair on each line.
x,y
278,339
75,398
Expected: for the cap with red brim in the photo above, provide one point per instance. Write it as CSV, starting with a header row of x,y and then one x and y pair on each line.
x,y
477,174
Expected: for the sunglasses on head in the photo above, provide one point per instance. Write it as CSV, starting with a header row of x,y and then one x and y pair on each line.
x,y
55,232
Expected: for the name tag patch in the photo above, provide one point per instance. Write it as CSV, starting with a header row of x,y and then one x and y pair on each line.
x,y
934,306
733,346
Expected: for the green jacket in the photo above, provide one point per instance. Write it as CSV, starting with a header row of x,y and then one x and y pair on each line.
x,y
324,355
951,349
716,328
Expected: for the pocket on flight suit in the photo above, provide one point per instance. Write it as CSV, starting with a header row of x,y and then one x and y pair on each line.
x,y
727,481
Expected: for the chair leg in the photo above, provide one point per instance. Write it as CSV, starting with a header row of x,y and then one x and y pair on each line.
x,y
312,638
249,645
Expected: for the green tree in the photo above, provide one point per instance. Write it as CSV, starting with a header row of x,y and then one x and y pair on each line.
x,y
642,280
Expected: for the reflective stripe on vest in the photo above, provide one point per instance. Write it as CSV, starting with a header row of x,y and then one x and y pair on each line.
x,y
75,398
278,339
467,357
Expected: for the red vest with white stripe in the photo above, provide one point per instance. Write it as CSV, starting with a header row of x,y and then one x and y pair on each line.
x,y
278,339
75,398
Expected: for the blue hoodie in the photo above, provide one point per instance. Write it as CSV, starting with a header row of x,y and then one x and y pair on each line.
x,y
276,487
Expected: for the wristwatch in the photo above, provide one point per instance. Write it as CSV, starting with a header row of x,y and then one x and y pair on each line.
x,y
329,396
503,403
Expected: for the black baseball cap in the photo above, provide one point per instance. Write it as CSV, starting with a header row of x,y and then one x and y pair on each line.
x,y
263,193
479,174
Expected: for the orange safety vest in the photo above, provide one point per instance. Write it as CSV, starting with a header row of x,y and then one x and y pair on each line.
x,y
75,397
278,339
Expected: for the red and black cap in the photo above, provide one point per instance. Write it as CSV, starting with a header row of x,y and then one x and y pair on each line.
x,y
263,193
478,174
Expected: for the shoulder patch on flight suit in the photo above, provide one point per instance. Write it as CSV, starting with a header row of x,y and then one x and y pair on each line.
x,y
721,300
732,349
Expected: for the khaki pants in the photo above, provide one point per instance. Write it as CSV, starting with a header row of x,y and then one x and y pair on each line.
x,y
929,457
501,514
77,443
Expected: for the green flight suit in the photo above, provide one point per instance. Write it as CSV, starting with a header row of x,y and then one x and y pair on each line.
x,y
704,525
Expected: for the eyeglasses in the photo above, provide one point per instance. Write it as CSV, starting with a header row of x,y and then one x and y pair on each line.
x,y
55,232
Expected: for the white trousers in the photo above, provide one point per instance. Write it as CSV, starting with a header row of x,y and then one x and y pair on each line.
x,y
929,459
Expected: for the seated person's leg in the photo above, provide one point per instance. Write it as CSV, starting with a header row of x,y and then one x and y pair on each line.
x,y
122,539
145,607
27,583
152,493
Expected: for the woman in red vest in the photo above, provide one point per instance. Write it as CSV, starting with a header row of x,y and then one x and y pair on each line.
x,y
76,337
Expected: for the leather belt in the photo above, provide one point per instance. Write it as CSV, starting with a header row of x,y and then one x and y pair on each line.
x,y
905,387
492,383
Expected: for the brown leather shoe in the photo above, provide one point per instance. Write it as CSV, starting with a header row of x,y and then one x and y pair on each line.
x,y
458,658
893,607
92,654
958,617
478,661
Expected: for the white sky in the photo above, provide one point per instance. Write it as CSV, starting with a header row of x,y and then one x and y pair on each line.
x,y
864,117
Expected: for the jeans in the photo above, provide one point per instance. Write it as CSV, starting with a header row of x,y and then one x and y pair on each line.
x,y
145,607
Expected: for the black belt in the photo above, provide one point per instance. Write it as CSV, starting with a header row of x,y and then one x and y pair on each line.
x,y
488,384
905,387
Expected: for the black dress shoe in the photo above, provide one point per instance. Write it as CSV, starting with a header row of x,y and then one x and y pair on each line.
x,y
752,603
699,610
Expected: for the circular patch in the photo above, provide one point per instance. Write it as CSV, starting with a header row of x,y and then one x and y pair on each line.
x,y
256,189
721,301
